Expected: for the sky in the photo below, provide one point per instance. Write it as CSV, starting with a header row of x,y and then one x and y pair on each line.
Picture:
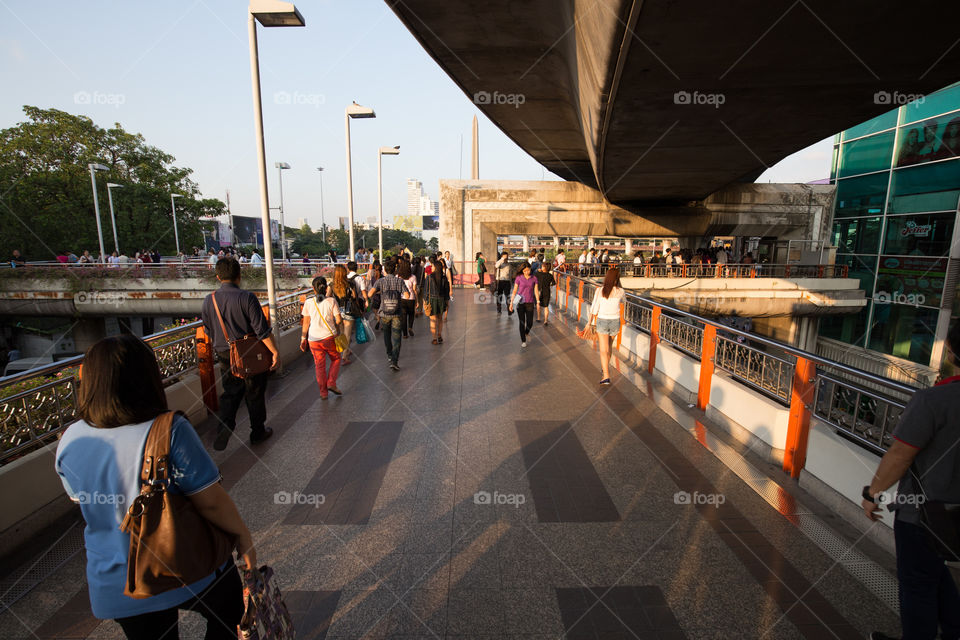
x,y
178,72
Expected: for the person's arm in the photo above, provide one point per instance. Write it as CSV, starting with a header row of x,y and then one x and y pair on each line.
x,y
893,466
536,291
216,505
513,292
304,332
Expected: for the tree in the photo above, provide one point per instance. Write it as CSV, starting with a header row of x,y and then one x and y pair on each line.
x,y
433,244
47,201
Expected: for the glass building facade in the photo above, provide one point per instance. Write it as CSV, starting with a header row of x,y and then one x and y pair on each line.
x,y
895,225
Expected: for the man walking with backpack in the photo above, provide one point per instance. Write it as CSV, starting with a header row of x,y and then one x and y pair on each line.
x,y
391,289
504,283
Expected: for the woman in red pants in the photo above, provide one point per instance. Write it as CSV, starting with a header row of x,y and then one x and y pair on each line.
x,y
322,323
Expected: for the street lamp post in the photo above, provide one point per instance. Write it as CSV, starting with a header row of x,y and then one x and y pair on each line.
x,y
353,111
269,13
323,221
384,151
283,236
113,218
173,208
94,167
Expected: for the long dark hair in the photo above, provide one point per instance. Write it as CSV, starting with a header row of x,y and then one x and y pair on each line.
x,y
437,275
120,383
319,285
611,281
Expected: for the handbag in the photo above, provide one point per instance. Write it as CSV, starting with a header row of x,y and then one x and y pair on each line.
x,y
265,614
171,544
517,300
339,341
360,332
942,522
249,356
371,334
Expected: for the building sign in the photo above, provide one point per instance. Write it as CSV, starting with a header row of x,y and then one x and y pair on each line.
x,y
431,223
917,279
914,229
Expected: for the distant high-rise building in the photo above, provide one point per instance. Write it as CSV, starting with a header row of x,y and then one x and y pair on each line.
x,y
301,222
418,202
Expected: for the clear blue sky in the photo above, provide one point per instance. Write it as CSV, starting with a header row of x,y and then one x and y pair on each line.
x,y
178,72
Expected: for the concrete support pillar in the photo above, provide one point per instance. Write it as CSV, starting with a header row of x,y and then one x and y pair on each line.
x,y
87,331
526,244
628,246
590,243
556,243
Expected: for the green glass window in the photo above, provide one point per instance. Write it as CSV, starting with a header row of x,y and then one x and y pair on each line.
x,y
929,187
880,123
903,330
861,196
866,154
857,235
913,280
934,139
833,163
933,104
927,234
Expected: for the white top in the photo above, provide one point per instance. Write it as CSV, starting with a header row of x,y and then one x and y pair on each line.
x,y
411,284
330,312
561,258
361,282
255,259
638,260
582,258
607,308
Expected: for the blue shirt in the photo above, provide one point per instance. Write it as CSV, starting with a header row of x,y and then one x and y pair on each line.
x,y
100,469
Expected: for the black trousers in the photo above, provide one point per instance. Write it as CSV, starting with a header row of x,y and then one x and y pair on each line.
x,y
525,314
221,604
503,289
408,313
251,390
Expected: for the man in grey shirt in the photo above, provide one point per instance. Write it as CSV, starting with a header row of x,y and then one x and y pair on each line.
x,y
926,443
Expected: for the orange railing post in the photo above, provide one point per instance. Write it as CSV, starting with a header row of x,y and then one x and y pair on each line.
x,y
208,376
719,273
566,298
646,270
579,300
654,337
798,428
707,352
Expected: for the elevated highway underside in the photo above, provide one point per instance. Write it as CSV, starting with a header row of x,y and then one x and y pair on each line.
x,y
660,101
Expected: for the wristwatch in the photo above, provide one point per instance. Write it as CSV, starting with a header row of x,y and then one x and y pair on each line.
x,y
866,495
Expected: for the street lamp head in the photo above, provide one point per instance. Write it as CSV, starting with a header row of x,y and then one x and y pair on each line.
x,y
176,195
281,165
272,13
357,111
98,167
319,168
390,151
114,185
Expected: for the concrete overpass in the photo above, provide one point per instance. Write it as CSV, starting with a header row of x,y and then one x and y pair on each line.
x,y
659,101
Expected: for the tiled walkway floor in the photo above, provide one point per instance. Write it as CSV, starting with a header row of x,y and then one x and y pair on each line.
x,y
491,491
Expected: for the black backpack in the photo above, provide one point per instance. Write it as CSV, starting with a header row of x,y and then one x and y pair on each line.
x,y
389,301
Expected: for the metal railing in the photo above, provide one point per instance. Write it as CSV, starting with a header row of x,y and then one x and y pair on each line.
x,y
42,402
681,334
864,415
659,270
765,372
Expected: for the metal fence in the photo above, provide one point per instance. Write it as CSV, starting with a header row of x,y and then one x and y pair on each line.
x,y
681,334
38,404
765,372
864,416
659,270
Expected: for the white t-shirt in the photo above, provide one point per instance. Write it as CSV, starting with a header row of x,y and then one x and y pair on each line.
x,y
360,282
411,284
328,310
582,258
607,308
560,259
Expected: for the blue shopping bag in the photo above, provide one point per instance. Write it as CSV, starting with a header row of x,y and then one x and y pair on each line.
x,y
360,332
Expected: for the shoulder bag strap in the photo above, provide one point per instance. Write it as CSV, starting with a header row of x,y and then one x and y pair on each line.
x,y
223,327
324,320
156,451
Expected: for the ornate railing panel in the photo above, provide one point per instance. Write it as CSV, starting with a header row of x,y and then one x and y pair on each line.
x,y
637,314
288,314
177,356
763,371
862,415
683,335
34,417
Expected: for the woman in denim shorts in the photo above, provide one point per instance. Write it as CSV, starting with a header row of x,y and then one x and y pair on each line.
x,y
605,316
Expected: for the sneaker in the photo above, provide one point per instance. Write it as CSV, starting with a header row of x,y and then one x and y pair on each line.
x,y
223,437
523,344
395,366
605,382
265,435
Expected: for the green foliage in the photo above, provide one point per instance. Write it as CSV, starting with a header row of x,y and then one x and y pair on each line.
x,y
393,239
433,244
47,202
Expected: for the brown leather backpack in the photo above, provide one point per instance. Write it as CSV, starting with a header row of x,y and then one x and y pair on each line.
x,y
171,544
